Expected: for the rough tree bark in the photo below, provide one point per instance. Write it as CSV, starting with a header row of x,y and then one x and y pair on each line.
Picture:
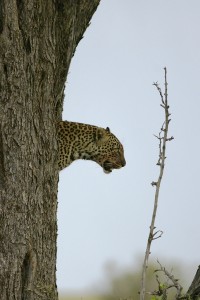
x,y
37,41
194,289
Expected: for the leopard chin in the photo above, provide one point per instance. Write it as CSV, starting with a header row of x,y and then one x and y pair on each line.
x,y
107,167
107,171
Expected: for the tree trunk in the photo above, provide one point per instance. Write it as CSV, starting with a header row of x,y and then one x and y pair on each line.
x,y
194,289
37,41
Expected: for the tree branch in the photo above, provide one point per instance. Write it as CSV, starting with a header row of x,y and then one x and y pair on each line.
x,y
163,138
173,280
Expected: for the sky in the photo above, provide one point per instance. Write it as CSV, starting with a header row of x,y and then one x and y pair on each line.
x,y
106,217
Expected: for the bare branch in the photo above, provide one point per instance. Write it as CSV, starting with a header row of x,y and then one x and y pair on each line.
x,y
157,234
174,280
161,94
163,138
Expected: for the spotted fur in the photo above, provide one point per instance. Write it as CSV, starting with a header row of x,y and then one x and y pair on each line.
x,y
82,141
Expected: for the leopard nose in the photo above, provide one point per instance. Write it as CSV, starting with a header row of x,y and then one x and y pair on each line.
x,y
123,162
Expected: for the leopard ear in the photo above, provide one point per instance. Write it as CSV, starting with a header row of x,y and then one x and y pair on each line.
x,y
108,129
101,135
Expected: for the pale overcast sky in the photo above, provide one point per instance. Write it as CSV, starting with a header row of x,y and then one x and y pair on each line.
x,y
106,217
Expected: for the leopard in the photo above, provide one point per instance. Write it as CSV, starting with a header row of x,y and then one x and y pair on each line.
x,y
89,142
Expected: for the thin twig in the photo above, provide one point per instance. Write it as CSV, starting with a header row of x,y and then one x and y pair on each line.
x,y
174,280
161,163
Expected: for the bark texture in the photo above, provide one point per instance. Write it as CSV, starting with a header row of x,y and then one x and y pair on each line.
x,y
194,289
37,41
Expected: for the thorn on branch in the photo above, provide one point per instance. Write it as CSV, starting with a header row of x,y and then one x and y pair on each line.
x,y
153,227
170,139
154,183
155,83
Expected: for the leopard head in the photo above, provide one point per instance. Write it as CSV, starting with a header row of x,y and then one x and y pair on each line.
x,y
107,150
84,141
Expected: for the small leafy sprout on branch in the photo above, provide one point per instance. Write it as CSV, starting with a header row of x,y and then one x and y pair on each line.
x,y
163,139
171,282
